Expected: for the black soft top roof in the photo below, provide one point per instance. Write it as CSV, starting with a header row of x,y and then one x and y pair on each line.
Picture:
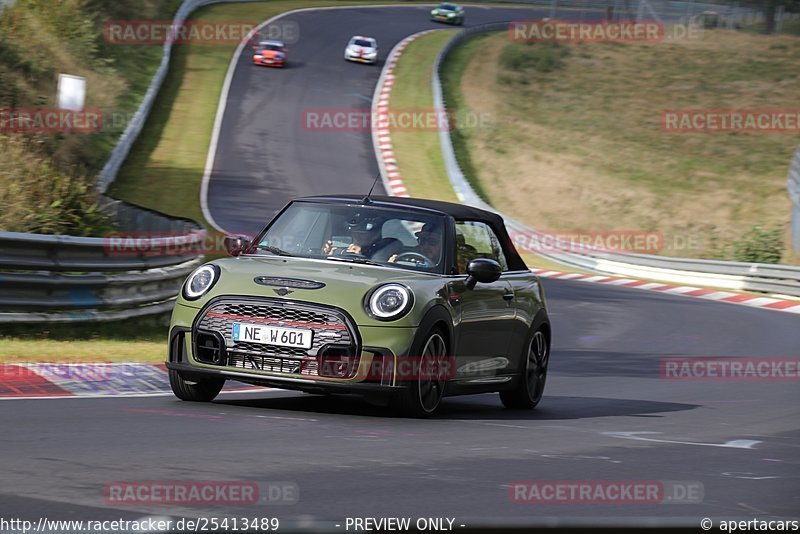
x,y
457,211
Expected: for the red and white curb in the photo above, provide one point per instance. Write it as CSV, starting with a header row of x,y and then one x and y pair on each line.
x,y
393,182
381,133
69,380
770,303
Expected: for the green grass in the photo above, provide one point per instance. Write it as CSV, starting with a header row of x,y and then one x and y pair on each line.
x,y
142,340
578,144
419,153
16,350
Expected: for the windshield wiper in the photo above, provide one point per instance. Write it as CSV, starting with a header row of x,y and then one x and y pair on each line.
x,y
274,250
365,261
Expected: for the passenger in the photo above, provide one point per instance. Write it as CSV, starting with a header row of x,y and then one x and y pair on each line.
x,y
464,254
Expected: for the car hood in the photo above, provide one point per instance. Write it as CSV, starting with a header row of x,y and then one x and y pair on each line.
x,y
345,284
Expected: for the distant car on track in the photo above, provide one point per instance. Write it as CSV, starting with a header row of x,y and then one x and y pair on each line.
x,y
401,300
270,53
449,13
362,49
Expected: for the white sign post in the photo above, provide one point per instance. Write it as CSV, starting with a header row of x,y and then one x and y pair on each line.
x,y
71,92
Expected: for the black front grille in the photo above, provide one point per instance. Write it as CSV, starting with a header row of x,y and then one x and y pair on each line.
x,y
331,329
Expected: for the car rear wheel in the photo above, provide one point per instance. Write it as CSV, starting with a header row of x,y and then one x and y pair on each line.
x,y
533,375
200,390
424,392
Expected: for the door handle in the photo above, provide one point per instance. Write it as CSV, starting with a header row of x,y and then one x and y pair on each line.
x,y
508,296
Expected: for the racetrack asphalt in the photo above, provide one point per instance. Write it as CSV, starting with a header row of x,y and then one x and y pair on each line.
x,y
607,413
268,152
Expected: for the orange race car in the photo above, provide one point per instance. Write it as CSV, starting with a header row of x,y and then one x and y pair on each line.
x,y
269,53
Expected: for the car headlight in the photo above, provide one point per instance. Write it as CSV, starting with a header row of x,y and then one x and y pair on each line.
x,y
200,281
389,302
451,14
256,56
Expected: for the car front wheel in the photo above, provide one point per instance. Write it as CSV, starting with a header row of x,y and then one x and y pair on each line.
x,y
200,390
424,392
533,375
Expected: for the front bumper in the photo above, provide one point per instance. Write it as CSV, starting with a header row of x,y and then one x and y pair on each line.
x,y
265,62
360,59
308,385
371,350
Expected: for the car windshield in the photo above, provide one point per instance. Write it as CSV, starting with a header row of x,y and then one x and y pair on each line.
x,y
391,237
271,46
447,7
363,42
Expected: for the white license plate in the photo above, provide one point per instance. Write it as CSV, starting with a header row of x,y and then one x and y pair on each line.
x,y
272,335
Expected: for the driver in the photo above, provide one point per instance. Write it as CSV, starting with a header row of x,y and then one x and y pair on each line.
x,y
366,240
429,244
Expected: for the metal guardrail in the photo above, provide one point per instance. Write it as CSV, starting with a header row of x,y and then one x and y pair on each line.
x,y
778,279
49,278
794,195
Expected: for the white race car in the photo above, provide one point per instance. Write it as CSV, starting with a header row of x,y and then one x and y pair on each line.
x,y
362,49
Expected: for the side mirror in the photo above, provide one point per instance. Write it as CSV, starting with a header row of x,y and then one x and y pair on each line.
x,y
236,244
483,270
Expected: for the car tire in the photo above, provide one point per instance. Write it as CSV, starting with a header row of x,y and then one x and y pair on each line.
x,y
423,395
200,390
533,374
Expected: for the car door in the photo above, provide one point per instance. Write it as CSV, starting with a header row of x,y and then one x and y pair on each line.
x,y
485,315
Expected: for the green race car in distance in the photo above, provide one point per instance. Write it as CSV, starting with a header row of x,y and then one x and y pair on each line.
x,y
449,13
401,300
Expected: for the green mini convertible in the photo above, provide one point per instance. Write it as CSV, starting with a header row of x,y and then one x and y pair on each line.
x,y
403,301
448,13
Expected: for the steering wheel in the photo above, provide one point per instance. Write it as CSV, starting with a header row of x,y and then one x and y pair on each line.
x,y
415,257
